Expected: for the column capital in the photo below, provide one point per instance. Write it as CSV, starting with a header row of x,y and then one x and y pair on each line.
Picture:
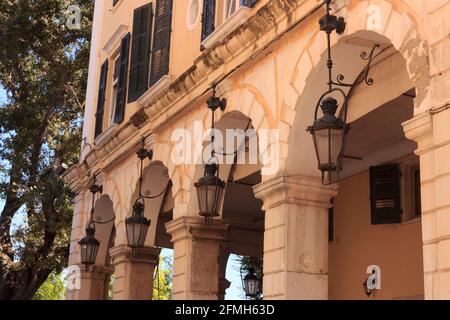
x,y
300,190
123,253
195,227
94,272
420,130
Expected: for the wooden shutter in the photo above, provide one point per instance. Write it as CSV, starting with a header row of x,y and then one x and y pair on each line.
x,y
161,40
417,193
208,16
385,194
101,99
140,52
123,76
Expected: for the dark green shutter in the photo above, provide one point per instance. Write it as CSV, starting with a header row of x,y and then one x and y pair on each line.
x,y
140,52
417,193
208,16
385,194
123,76
161,40
101,99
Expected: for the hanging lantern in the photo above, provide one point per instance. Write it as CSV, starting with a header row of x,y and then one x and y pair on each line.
x,y
251,284
329,135
210,189
89,247
89,244
137,226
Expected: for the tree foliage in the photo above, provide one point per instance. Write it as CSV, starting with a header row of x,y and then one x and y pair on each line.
x,y
52,289
43,68
162,283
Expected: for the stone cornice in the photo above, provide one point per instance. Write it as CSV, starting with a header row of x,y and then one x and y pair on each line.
x,y
195,227
300,190
123,253
420,130
238,46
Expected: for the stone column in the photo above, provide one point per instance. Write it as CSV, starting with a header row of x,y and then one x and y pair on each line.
x,y
295,237
87,285
432,134
82,284
133,272
197,249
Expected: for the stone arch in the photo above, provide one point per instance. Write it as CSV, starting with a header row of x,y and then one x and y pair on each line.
x,y
307,83
156,183
104,216
231,119
239,99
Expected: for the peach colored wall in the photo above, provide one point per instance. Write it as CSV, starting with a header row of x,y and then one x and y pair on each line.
x,y
396,249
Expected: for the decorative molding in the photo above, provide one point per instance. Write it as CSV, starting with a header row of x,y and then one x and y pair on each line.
x,y
237,18
106,135
420,130
115,39
188,227
139,119
300,190
152,94
123,253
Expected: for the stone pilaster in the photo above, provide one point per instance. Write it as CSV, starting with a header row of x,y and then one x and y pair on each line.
x,y
432,134
295,237
197,253
134,272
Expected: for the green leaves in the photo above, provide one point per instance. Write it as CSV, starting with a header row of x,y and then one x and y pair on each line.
x,y
43,68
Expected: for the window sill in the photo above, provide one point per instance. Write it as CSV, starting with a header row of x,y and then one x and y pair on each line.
x,y
106,135
155,90
239,17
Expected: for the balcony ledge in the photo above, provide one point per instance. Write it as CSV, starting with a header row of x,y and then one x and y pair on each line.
x,y
151,95
232,23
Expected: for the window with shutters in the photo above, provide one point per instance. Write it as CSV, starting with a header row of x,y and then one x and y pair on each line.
x,y
119,111
220,17
114,88
385,194
140,52
395,191
101,99
230,7
208,18
161,41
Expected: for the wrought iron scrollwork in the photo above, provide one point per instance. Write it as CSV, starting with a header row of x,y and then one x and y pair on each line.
x,y
364,76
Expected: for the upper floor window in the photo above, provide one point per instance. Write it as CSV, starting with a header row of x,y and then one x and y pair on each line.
x,y
142,61
114,89
230,7
223,15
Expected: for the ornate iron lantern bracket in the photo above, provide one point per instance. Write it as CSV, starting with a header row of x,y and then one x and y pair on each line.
x,y
330,131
